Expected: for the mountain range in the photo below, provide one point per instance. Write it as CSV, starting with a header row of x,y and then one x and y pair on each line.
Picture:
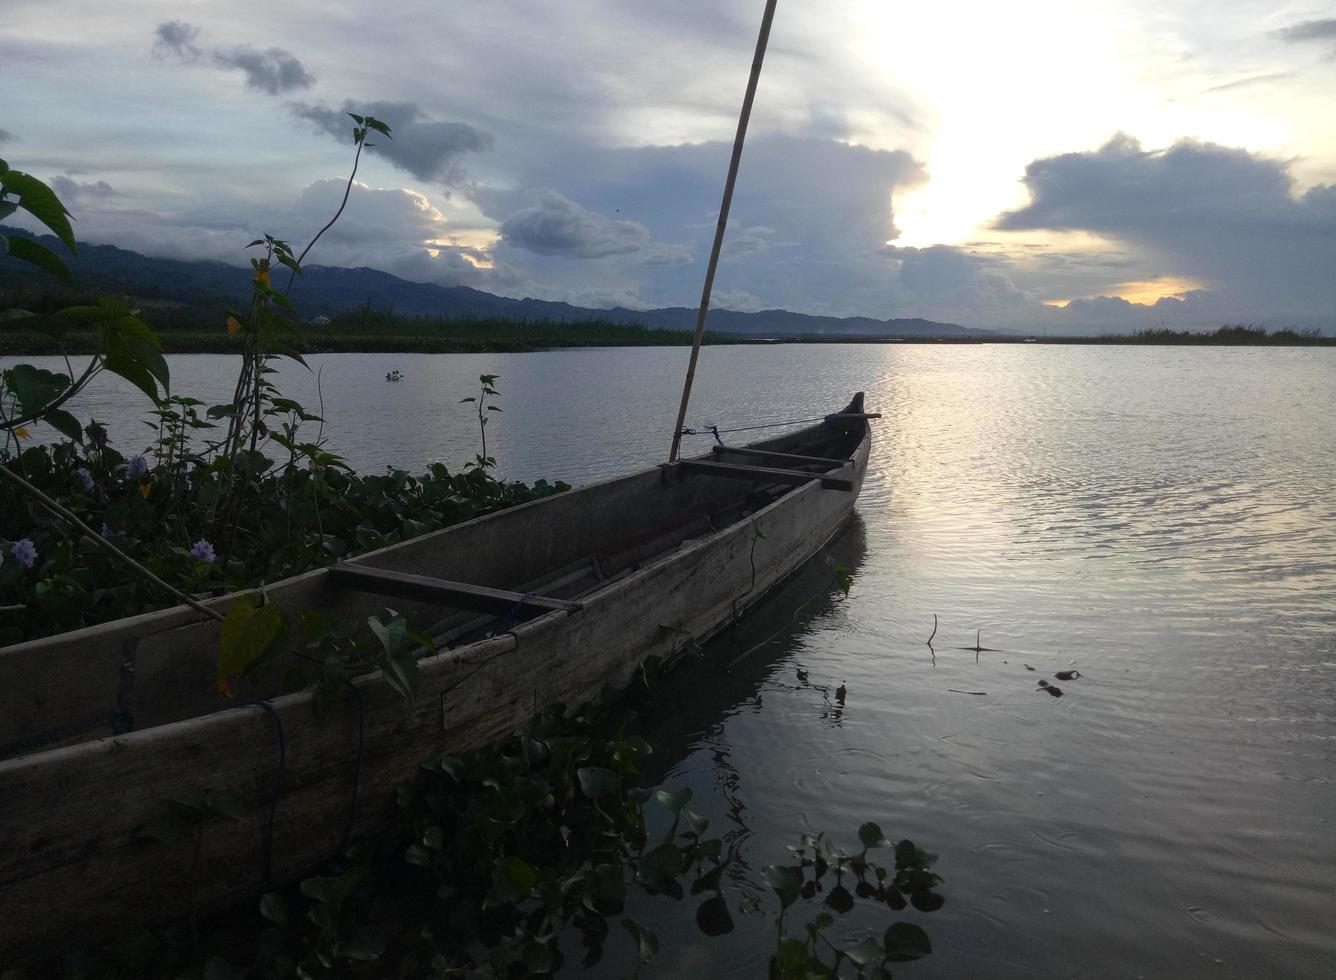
x,y
329,289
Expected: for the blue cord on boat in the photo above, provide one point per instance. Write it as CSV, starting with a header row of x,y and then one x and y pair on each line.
x,y
277,789
507,619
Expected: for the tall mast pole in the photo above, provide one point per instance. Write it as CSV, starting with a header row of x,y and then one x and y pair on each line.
x,y
738,140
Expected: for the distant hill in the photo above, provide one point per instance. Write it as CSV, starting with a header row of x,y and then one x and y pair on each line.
x,y
328,289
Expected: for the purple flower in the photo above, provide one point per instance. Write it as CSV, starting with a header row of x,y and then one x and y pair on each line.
x,y
202,550
136,467
25,551
85,478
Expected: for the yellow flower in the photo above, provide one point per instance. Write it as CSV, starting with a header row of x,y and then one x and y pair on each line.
x,y
144,489
262,277
233,325
22,432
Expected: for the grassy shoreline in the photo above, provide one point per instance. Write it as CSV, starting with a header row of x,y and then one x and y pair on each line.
x,y
358,332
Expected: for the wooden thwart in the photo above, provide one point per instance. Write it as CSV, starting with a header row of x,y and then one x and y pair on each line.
x,y
462,595
770,454
766,473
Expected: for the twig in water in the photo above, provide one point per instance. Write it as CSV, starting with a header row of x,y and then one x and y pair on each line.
x,y
952,690
934,628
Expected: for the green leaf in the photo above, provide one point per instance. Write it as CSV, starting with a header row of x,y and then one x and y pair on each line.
x,y
674,800
35,388
708,882
871,836
697,823
249,630
274,907
905,941
597,783
35,253
64,423
713,917
512,881
537,958
786,882
41,202
366,945
647,944
864,953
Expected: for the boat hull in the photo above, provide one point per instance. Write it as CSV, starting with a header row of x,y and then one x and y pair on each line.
x,y
73,857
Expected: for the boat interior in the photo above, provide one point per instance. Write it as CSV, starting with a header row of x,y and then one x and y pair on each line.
x,y
457,585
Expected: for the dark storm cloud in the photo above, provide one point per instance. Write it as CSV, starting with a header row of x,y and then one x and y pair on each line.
x,y
5,136
421,146
1225,216
1309,30
555,225
178,38
69,189
274,70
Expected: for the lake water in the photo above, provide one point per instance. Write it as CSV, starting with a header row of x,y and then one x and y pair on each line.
x,y
1162,519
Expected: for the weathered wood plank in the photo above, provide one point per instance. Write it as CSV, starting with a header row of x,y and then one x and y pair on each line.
x,y
742,472
772,454
424,588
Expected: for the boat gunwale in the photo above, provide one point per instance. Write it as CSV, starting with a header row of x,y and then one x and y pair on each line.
x,y
442,660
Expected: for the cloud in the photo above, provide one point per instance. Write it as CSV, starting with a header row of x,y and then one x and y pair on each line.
x,y
426,148
69,189
176,37
555,225
1309,30
1228,218
737,299
274,70
6,136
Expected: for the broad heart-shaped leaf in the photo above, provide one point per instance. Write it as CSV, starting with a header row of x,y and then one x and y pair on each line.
x,y
64,423
784,882
248,633
866,952
41,202
905,941
35,388
674,799
870,835
713,917
35,253
597,783
132,352
512,881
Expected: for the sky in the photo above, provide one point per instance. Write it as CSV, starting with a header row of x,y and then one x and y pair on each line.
x,y
1031,166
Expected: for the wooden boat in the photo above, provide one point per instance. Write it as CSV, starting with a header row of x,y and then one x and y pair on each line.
x,y
554,601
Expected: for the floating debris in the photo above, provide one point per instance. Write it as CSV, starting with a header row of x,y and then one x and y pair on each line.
x,y
1028,667
1067,675
952,690
802,675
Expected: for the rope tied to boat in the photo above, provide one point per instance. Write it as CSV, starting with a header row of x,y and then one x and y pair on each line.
x,y
715,431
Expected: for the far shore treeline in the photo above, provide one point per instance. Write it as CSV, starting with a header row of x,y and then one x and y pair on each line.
x,y
368,331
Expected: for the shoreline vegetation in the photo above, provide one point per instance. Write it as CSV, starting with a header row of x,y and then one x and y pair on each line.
x,y
369,331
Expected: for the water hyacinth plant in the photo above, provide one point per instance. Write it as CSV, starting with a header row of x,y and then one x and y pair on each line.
x,y
228,496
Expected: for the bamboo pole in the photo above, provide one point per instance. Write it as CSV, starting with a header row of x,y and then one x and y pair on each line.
x,y
738,140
